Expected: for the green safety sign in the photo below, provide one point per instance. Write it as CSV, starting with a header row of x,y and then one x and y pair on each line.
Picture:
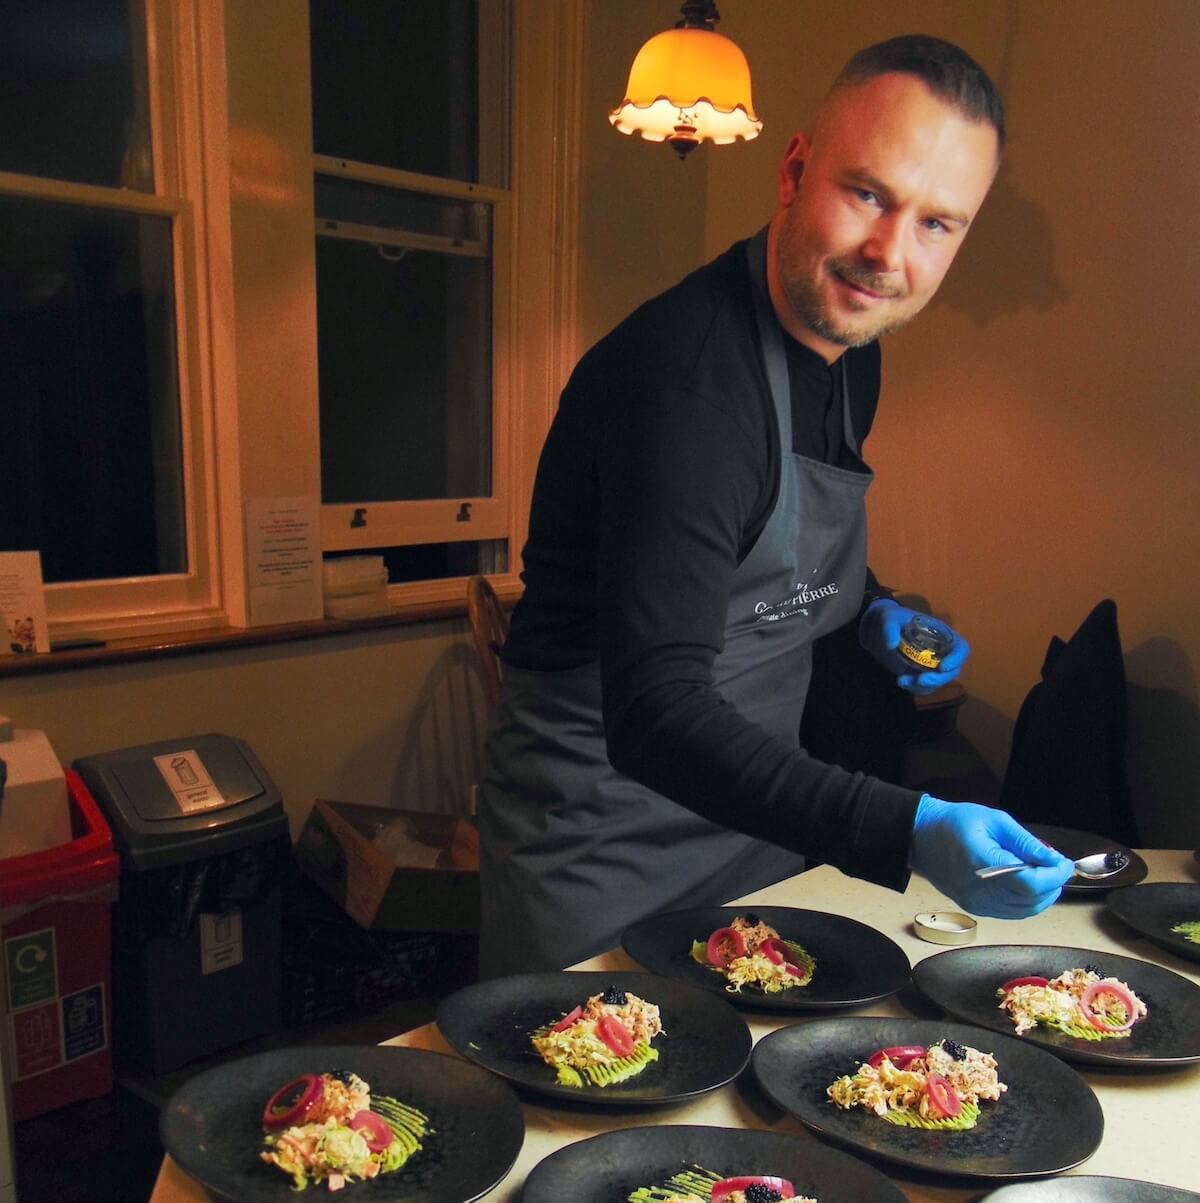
x,y
32,969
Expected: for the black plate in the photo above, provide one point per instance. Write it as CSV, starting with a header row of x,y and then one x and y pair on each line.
x,y
1154,909
963,982
704,1044
1080,843
1082,1188
855,963
210,1125
607,1168
1048,1121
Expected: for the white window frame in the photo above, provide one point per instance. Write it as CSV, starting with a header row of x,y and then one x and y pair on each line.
x,y
169,601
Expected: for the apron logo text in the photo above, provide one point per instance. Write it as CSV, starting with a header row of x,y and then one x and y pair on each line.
x,y
793,605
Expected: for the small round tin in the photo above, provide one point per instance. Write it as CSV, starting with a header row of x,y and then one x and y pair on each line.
x,y
945,927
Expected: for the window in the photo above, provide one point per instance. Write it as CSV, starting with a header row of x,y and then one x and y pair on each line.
x,y
101,461
265,250
412,237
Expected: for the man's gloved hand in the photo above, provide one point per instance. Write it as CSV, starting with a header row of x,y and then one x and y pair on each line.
x,y
879,632
950,840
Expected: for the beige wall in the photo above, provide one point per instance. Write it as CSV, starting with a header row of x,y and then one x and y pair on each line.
x,y
643,220
391,718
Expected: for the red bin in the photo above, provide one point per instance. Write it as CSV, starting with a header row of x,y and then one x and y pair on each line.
x,y
56,932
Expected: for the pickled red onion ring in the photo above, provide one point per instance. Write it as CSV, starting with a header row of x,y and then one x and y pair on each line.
x,y
567,1020
714,952
374,1129
291,1104
1108,986
778,952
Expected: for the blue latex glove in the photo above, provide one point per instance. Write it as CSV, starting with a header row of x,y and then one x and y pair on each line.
x,y
879,632
950,840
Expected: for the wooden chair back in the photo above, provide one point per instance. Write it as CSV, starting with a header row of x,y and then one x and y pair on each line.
x,y
489,625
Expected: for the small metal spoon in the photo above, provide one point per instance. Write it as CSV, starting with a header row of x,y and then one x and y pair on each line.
x,y
1094,867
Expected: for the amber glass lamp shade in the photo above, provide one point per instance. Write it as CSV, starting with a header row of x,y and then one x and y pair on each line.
x,y
687,85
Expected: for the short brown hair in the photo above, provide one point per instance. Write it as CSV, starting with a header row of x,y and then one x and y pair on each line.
x,y
947,70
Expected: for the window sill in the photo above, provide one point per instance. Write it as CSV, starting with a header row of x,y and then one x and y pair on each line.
x,y
153,647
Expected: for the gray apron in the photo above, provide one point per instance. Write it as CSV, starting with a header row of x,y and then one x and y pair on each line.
x,y
573,852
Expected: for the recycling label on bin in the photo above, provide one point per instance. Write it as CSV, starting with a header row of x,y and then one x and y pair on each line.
x,y
220,941
36,1040
52,1034
83,1022
32,966
188,780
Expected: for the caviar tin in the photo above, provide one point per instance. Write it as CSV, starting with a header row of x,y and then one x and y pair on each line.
x,y
945,927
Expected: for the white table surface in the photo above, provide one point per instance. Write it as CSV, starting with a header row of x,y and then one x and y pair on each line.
x,y
1151,1117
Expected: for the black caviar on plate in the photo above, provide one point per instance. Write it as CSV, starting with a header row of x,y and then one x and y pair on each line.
x,y
757,1192
955,1049
1094,969
752,918
614,997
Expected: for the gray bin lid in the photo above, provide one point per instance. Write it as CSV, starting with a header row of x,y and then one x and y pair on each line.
x,y
185,799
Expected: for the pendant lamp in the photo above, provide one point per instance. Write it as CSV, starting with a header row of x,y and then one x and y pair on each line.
x,y
688,84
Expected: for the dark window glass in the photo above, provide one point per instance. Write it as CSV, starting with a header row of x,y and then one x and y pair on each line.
x,y
395,83
404,364
71,101
90,466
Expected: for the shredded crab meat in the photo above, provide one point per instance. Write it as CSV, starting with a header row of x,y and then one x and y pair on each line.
x,y
753,933
886,1088
639,1017
580,1046
341,1100
1057,1002
973,1079
754,967
325,1149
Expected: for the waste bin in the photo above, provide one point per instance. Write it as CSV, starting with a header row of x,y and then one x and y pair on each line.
x,y
202,839
56,927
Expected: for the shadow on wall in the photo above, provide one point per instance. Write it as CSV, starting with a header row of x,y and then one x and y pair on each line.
x,y
440,753
1006,265
991,732
1163,753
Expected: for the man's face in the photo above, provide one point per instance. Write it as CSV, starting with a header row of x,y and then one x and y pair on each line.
x,y
872,209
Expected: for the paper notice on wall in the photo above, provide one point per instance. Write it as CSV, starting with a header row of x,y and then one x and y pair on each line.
x,y
23,627
283,560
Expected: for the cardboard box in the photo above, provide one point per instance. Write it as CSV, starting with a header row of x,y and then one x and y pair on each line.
x,y
394,870
34,813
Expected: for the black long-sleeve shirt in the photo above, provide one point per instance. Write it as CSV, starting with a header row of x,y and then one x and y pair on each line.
x,y
660,470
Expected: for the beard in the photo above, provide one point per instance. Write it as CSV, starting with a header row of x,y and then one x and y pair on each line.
x,y
801,285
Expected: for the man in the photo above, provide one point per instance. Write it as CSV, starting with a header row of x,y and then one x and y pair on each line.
x,y
698,520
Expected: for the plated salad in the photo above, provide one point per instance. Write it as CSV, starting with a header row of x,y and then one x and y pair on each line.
x,y
750,952
605,1040
938,1086
698,1185
1189,930
329,1128
1079,1002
